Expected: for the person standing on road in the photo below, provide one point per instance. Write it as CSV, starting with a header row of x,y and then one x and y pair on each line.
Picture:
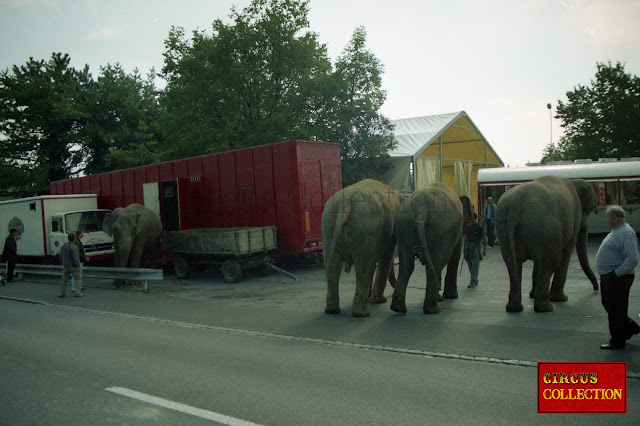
x,y
70,259
83,257
474,237
616,260
10,252
489,220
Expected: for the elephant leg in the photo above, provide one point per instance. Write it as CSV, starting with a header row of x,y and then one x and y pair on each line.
x,y
382,274
432,297
557,293
532,293
406,267
451,279
333,268
515,287
136,254
365,268
542,279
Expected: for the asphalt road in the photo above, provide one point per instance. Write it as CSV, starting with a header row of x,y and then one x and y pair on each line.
x,y
263,351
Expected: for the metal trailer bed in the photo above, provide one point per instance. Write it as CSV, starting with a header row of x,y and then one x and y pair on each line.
x,y
231,249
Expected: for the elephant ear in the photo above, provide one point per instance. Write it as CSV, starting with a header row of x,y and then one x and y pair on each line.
x,y
106,225
587,195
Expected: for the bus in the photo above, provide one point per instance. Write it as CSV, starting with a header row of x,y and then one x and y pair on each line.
x,y
614,181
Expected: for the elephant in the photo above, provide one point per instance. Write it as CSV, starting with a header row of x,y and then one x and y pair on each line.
x,y
544,220
357,228
135,230
428,225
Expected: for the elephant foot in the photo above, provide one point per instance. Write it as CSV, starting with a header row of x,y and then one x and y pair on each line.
x,y
449,295
332,309
558,297
398,305
543,307
514,307
431,308
360,307
377,299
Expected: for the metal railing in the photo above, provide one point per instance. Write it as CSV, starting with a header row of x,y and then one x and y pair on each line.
x,y
102,272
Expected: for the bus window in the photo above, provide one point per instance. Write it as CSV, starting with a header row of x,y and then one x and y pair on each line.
x,y
630,193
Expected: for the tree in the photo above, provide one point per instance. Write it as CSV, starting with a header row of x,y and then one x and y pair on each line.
x,y
365,135
123,125
602,120
41,115
247,84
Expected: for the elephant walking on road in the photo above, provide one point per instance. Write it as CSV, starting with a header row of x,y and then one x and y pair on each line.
x,y
544,220
428,225
357,228
135,230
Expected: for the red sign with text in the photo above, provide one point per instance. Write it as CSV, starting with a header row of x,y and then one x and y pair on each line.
x,y
581,387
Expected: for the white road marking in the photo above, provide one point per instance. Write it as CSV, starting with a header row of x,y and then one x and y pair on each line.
x,y
176,406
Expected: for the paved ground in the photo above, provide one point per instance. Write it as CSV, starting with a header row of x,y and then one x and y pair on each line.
x,y
475,324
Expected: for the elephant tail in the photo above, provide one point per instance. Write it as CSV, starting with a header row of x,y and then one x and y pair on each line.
x,y
342,217
426,257
512,224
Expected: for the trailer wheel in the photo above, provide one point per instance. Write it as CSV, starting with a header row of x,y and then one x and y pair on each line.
x,y
182,267
231,271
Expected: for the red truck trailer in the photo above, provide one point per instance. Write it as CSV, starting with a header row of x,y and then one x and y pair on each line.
x,y
284,184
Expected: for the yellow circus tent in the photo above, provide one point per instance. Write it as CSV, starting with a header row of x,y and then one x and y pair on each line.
x,y
445,148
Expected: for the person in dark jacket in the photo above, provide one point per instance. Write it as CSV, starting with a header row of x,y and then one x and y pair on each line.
x,y
70,259
475,246
10,252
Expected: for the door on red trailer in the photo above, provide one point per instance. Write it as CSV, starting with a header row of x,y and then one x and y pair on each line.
x,y
174,204
320,181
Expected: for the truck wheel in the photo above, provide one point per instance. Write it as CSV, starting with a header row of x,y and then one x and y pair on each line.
x,y
231,271
182,267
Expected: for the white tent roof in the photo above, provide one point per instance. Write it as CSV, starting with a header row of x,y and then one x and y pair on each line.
x,y
414,135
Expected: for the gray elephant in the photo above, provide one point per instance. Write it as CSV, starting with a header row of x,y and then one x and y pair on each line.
x,y
357,228
428,225
135,230
544,220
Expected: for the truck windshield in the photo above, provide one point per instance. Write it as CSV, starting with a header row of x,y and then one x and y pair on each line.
x,y
90,221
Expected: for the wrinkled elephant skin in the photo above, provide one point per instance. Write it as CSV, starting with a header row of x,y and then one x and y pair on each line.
x,y
357,228
135,230
544,220
428,225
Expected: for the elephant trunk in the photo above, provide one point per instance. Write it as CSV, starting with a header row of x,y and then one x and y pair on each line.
x,y
121,255
581,248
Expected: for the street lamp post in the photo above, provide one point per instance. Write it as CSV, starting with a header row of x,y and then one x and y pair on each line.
x,y
550,125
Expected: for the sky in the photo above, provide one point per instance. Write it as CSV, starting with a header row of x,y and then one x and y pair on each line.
x,y
501,61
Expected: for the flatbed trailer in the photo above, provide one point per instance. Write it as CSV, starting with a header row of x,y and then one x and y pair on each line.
x,y
233,250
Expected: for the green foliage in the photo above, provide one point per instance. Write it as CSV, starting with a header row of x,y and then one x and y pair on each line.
x,y
261,79
247,84
265,78
41,116
57,122
123,129
602,120
362,131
